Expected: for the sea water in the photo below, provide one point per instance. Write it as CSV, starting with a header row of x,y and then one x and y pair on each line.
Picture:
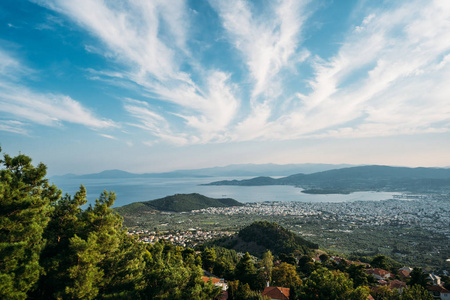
x,y
129,190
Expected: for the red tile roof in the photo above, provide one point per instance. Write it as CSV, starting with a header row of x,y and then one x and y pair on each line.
x,y
397,284
275,292
214,280
404,273
440,289
377,271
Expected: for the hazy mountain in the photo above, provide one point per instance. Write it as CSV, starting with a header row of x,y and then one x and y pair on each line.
x,y
231,170
359,179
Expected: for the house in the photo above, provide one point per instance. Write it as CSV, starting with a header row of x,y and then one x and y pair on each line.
x,y
409,269
404,274
397,284
439,292
218,282
379,274
276,293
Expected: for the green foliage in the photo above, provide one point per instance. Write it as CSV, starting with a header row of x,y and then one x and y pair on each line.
x,y
416,292
261,236
324,257
168,276
25,198
241,291
446,281
275,238
358,275
380,261
225,263
384,293
285,275
88,252
324,284
266,265
418,277
208,259
177,203
245,271
52,249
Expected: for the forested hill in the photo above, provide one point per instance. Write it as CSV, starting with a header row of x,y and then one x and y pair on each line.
x,y
361,178
259,237
177,203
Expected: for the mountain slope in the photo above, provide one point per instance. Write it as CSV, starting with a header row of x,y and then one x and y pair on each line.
x,y
261,236
361,178
176,203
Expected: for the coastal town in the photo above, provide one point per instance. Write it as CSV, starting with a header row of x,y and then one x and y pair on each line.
x,y
413,230
431,212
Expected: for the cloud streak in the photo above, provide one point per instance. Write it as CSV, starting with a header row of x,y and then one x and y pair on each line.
x,y
388,75
388,78
20,102
268,41
150,39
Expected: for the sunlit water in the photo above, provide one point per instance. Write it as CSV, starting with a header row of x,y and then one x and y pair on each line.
x,y
143,189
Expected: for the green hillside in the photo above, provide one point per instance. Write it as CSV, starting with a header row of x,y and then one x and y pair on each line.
x,y
176,203
364,178
261,236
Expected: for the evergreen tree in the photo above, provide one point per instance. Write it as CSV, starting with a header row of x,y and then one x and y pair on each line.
x,y
167,276
56,258
358,275
89,253
208,259
245,270
25,198
266,265
418,277
285,275
380,261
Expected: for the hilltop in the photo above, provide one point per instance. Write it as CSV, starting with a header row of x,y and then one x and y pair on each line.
x,y
261,236
362,178
176,203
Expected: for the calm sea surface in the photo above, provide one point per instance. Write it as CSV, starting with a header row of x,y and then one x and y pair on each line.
x,y
143,189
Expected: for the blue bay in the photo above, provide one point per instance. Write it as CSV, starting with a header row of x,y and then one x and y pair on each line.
x,y
143,189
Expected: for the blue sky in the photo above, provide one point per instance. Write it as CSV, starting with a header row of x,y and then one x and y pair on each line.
x,y
149,86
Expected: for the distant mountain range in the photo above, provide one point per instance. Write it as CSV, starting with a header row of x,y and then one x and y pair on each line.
x,y
361,178
231,170
176,203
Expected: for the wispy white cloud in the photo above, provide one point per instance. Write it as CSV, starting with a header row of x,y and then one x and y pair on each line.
x,y
387,79
267,41
389,75
152,122
46,109
149,38
108,136
13,126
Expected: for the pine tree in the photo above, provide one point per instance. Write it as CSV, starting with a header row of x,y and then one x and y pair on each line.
x,y
245,271
25,198
266,264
